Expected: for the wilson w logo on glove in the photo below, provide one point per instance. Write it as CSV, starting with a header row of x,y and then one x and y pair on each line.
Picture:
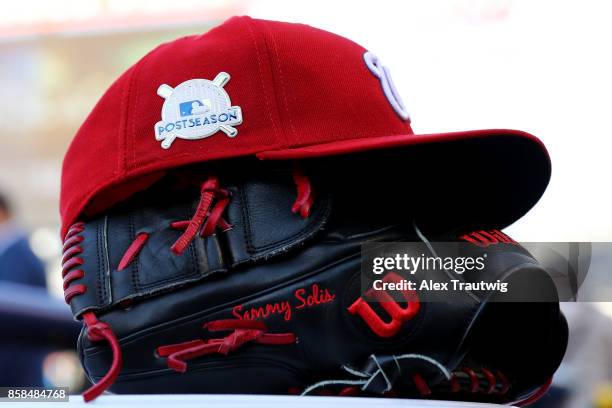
x,y
398,315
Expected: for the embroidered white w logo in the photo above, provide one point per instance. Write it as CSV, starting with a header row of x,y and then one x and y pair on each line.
x,y
383,74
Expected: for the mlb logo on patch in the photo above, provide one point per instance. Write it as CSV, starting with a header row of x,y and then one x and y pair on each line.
x,y
196,109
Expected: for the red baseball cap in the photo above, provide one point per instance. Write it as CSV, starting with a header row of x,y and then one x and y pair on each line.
x,y
273,90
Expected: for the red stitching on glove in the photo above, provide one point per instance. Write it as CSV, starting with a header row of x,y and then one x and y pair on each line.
x,y
70,260
210,192
205,220
72,276
133,250
505,382
72,291
349,392
72,241
305,196
490,378
421,385
209,215
99,331
244,331
455,386
474,381
214,219
69,254
474,385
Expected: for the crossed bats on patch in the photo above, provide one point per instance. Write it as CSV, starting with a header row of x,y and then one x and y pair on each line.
x,y
166,91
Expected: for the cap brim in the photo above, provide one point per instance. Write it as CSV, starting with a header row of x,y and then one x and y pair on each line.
x,y
482,177
393,141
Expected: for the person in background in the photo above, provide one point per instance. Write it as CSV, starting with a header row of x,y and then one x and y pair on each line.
x,y
18,264
20,363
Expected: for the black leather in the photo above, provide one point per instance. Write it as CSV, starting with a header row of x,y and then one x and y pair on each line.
x,y
272,256
262,228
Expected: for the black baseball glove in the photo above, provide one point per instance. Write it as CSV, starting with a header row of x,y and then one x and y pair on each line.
x,y
237,286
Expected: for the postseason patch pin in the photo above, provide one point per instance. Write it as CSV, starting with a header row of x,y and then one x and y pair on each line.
x,y
196,109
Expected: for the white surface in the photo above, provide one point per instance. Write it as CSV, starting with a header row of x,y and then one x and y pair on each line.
x,y
252,401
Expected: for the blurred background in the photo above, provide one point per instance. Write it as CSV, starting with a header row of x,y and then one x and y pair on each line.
x,y
542,66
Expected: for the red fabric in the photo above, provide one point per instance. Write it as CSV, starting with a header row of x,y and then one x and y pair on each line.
x,y
334,148
303,92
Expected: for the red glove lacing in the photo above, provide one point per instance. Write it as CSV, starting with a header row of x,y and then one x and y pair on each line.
x,y
206,219
244,331
481,381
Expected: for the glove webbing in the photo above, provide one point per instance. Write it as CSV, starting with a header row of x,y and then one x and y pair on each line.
x,y
388,370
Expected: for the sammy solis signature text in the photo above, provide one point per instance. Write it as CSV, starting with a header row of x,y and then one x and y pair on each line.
x,y
302,298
